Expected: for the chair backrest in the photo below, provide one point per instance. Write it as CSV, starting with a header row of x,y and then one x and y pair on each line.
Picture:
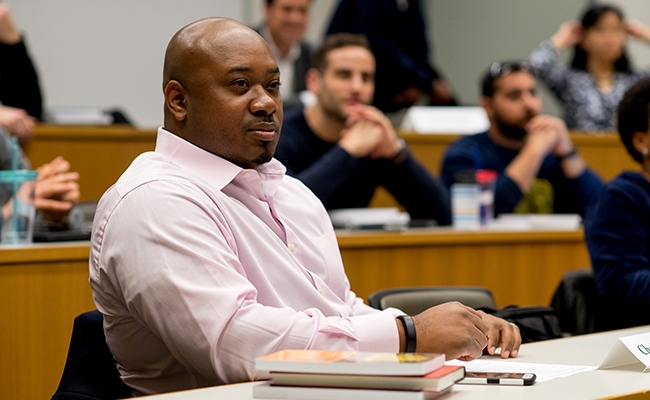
x,y
90,372
414,300
577,302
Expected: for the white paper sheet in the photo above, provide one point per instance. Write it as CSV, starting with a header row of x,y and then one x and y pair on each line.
x,y
544,372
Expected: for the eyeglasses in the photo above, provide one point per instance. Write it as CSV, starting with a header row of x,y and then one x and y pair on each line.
x,y
503,68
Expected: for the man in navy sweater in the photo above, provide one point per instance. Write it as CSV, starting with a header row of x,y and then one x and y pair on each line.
x,y
539,169
342,148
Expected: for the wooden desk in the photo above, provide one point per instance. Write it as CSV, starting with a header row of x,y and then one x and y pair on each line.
x,y
100,154
43,287
617,383
521,268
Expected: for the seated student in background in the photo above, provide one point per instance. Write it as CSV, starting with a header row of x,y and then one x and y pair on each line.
x,y
343,149
600,72
539,170
617,227
285,23
20,93
251,264
57,188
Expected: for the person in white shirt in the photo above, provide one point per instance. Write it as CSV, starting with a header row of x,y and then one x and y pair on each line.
x,y
284,26
205,255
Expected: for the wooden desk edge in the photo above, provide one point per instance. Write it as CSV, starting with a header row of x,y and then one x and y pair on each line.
x,y
50,252
449,236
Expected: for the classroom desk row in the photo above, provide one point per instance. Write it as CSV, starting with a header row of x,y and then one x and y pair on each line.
x,y
101,154
43,287
621,383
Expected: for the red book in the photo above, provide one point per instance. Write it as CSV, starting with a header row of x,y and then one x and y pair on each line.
x,y
437,380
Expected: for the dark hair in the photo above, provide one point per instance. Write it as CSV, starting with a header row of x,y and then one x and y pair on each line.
x,y
591,16
634,114
337,41
499,69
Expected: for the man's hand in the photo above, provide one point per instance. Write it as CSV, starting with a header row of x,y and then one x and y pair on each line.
x,y
57,190
502,334
17,123
9,33
361,138
440,92
456,330
382,142
547,134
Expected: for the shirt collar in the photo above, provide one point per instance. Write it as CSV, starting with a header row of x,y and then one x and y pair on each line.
x,y
211,168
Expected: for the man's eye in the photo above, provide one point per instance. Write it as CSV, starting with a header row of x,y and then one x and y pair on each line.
x,y
241,83
275,85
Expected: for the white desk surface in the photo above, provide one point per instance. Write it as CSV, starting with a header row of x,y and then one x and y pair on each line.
x,y
580,350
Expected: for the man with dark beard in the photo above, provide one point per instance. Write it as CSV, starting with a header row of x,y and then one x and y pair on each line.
x,y
539,170
342,148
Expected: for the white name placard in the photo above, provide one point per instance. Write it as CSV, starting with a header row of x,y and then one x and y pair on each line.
x,y
629,350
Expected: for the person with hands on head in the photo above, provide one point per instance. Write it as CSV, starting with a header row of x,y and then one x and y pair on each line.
x,y
539,170
20,93
600,71
343,148
251,266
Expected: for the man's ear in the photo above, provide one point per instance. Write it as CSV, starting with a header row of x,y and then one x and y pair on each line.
x,y
641,141
313,80
486,103
176,100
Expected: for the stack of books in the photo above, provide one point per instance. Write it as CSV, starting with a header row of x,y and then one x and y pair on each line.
x,y
329,375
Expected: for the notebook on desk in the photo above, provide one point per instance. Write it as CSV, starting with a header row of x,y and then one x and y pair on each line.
x,y
382,218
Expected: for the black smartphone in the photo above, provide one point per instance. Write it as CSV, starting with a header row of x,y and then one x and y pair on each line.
x,y
499,378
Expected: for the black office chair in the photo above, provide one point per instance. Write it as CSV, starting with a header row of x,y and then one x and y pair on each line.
x,y
90,372
582,309
414,300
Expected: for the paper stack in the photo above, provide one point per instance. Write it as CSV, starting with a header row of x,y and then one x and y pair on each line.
x,y
325,375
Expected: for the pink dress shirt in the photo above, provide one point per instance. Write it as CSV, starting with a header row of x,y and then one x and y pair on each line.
x,y
200,266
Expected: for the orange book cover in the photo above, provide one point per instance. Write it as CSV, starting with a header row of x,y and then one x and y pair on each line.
x,y
350,362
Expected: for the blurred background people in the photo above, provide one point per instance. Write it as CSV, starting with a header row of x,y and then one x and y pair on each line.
x,y
20,93
396,31
285,23
539,170
617,227
590,89
343,149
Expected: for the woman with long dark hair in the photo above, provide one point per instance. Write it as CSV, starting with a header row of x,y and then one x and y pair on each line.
x,y
600,72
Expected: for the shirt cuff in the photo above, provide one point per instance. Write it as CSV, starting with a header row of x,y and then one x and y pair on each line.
x,y
377,332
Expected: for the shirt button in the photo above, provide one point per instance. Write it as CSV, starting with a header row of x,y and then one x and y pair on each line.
x,y
320,289
292,246
247,174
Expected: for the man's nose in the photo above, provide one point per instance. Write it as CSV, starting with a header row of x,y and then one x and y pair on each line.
x,y
263,102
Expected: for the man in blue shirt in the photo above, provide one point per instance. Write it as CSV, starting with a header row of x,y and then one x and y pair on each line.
x,y
342,148
539,170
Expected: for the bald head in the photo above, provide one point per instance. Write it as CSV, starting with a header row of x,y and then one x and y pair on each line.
x,y
221,85
195,44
